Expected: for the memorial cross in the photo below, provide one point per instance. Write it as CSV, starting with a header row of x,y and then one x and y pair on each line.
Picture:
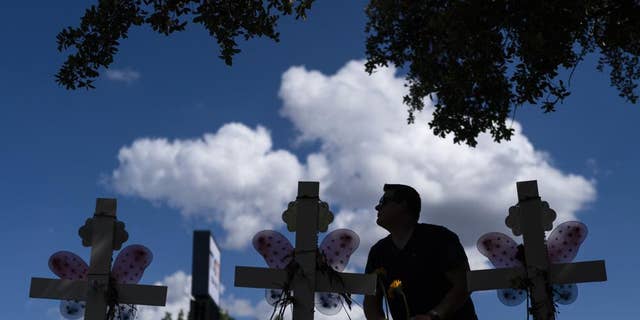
x,y
307,280
103,233
537,271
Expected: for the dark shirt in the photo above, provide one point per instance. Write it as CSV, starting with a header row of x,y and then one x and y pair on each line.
x,y
421,266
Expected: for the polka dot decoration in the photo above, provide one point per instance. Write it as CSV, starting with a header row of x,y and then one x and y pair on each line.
x,y
272,296
328,303
500,249
72,309
125,312
565,293
565,240
68,265
276,250
511,297
338,246
130,263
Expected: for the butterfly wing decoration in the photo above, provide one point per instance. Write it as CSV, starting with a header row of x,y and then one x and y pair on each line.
x,y
128,268
502,251
131,263
68,265
277,252
125,312
562,246
337,247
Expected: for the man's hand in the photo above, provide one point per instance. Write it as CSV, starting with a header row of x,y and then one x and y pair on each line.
x,y
372,306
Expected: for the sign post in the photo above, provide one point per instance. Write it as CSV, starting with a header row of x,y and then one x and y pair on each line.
x,y
205,281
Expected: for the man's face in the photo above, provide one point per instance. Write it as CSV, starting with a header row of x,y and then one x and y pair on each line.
x,y
390,213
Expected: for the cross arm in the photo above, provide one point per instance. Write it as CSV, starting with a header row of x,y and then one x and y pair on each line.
x,y
351,283
268,278
577,272
141,294
64,289
252,277
59,289
479,280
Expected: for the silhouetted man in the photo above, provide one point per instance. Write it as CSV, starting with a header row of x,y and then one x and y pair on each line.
x,y
428,260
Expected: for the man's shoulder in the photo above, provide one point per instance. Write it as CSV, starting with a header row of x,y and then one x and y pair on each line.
x,y
433,228
381,243
432,231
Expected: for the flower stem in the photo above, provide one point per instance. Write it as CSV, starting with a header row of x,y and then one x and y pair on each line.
x,y
406,305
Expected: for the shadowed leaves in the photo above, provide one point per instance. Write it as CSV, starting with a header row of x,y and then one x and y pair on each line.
x,y
96,40
479,60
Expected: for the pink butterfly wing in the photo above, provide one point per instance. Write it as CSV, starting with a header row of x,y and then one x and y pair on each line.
x,y
500,249
130,263
273,296
276,250
72,309
125,312
328,303
68,265
511,297
565,293
565,240
338,246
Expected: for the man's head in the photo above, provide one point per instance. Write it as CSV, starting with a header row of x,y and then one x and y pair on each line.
x,y
399,205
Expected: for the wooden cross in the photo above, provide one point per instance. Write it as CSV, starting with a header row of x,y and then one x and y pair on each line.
x,y
538,270
103,233
307,280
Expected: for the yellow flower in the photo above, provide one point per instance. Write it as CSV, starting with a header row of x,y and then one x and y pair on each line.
x,y
396,288
395,285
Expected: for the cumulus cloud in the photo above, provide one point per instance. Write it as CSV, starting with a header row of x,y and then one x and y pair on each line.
x,y
235,176
360,123
178,298
123,75
232,176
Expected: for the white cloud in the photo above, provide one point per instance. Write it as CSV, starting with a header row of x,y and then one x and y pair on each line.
x,y
232,177
123,75
235,177
178,298
365,142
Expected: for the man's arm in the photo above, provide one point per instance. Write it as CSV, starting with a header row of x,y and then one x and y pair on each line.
x,y
455,262
457,295
372,306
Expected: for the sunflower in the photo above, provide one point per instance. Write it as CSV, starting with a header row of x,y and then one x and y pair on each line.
x,y
395,287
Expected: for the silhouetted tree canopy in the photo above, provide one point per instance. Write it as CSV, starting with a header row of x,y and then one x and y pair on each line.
x,y
103,25
478,60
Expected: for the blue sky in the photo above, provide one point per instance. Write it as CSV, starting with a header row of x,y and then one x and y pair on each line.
x,y
188,143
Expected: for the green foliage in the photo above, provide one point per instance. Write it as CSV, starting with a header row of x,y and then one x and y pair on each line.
x,y
102,27
478,60
481,59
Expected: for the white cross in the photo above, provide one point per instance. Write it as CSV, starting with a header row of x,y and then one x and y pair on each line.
x,y
537,270
105,234
307,280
